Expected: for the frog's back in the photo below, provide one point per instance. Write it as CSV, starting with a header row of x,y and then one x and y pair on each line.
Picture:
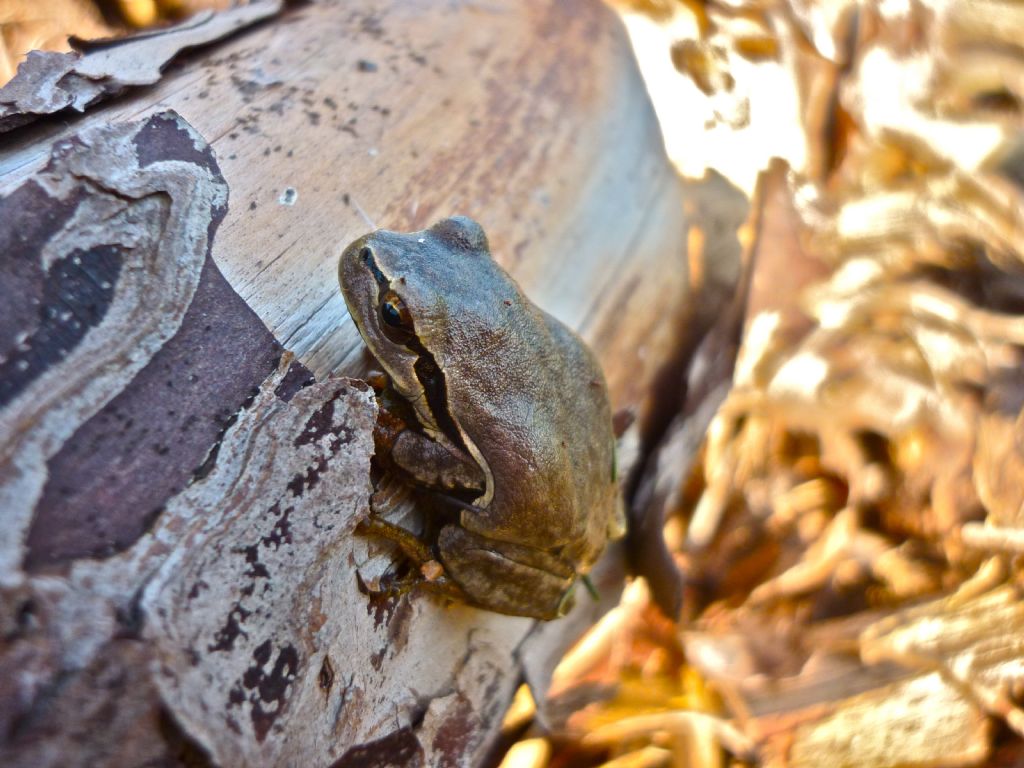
x,y
597,486
527,394
546,435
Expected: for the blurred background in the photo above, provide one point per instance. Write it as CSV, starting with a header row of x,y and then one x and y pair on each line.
x,y
848,539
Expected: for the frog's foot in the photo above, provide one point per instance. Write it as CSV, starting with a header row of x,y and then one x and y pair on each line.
x,y
432,575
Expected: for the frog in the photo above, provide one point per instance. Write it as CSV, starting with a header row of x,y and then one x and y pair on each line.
x,y
510,424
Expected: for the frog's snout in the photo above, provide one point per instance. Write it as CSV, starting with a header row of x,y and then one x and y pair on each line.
x,y
358,265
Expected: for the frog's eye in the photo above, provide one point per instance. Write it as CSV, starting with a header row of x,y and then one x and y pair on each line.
x,y
396,322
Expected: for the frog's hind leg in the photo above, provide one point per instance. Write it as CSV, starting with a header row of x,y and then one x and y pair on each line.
x,y
505,577
418,551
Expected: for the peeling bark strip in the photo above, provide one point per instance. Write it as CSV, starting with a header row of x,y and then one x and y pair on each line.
x,y
255,597
399,749
220,617
49,82
124,358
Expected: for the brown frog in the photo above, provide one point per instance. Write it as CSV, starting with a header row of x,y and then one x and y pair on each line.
x,y
513,426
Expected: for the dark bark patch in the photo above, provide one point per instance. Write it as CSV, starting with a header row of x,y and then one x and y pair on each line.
x,y
164,138
325,678
380,604
377,659
269,690
454,736
75,296
224,639
111,478
282,530
399,749
29,217
308,479
296,378
319,424
257,570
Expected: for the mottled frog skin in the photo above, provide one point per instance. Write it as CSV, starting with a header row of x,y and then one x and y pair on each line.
x,y
513,421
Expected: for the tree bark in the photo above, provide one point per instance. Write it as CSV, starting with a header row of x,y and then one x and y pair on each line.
x,y
179,580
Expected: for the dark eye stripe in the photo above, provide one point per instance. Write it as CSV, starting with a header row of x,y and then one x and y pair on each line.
x,y
428,372
432,379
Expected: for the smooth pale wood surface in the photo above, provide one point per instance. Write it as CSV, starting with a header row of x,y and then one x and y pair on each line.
x,y
528,116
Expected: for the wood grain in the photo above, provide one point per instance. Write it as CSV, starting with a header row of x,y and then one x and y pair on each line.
x,y
529,117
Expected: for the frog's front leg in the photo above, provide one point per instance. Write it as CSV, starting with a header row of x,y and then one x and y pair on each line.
x,y
428,462
435,465
505,577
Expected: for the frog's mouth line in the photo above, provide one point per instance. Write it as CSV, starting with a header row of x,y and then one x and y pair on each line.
x,y
428,372
432,380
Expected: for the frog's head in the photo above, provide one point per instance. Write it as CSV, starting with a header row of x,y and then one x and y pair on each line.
x,y
419,300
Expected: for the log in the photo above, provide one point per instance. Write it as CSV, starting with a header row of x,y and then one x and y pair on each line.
x,y
184,436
